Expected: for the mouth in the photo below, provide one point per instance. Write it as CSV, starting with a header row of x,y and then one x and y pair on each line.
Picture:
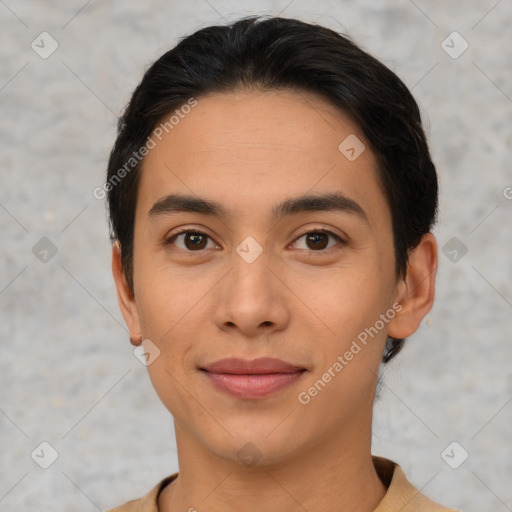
x,y
252,379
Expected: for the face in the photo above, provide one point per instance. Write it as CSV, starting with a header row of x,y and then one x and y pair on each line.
x,y
251,268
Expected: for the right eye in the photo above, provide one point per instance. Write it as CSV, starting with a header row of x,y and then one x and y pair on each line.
x,y
191,240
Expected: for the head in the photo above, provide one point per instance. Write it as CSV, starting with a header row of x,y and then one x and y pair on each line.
x,y
272,129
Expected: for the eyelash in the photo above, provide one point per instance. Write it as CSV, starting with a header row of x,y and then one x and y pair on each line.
x,y
169,240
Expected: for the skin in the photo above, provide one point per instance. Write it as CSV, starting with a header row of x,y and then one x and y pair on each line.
x,y
249,151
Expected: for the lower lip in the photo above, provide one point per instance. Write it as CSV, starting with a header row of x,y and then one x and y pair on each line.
x,y
252,386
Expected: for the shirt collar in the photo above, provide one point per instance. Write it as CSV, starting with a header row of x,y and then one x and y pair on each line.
x,y
401,495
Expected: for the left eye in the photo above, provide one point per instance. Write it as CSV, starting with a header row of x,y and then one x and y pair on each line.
x,y
318,240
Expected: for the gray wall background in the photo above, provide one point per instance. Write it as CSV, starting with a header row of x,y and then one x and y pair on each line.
x,y
68,374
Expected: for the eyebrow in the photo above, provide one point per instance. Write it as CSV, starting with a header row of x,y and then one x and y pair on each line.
x,y
178,203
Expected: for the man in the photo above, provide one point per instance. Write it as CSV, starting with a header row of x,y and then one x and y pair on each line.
x,y
271,197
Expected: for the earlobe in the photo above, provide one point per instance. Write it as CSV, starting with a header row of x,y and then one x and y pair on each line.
x,y
136,339
416,291
125,296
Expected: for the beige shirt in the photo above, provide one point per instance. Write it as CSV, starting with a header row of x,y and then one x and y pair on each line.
x,y
401,495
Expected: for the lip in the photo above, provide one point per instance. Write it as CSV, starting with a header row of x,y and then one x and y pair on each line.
x,y
252,379
259,366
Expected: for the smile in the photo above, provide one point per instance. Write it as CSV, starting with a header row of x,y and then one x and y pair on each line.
x,y
254,379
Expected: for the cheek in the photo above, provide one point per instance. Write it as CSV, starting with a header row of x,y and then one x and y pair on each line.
x,y
351,349
346,300
351,306
170,322
163,295
172,307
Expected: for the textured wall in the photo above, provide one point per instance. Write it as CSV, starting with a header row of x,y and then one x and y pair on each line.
x,y
68,375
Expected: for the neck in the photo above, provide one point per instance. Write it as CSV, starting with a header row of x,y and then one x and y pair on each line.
x,y
335,476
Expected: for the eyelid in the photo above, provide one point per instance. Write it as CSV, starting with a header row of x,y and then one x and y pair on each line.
x,y
305,231
168,238
323,230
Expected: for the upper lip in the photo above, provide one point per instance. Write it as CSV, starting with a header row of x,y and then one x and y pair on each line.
x,y
262,365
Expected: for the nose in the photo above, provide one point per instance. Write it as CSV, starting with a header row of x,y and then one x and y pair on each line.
x,y
251,301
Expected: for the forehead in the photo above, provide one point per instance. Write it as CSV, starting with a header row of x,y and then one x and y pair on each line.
x,y
255,148
281,120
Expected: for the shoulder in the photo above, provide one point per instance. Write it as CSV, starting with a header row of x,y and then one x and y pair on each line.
x,y
402,495
147,503
129,506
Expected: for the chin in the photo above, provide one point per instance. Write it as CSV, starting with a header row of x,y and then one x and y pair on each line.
x,y
256,447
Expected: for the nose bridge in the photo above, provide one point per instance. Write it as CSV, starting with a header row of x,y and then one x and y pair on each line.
x,y
250,296
250,275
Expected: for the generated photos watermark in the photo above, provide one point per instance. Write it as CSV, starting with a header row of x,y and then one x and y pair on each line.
x,y
306,396
151,143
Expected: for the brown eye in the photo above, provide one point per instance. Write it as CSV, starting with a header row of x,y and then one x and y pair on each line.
x,y
191,241
317,240
195,241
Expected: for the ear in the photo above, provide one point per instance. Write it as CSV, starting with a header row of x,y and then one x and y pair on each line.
x,y
125,296
415,292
